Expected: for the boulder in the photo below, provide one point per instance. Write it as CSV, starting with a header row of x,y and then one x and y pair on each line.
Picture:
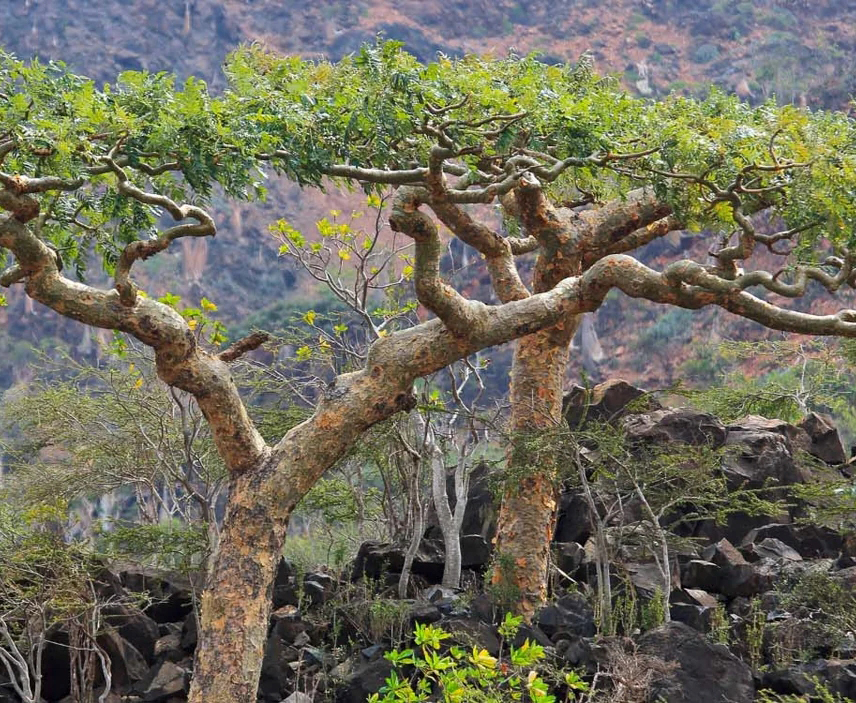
x,y
374,559
169,647
760,454
809,541
571,615
163,680
707,673
703,575
357,678
738,577
471,632
682,425
568,556
276,674
769,548
127,664
284,592
605,402
573,518
135,627
824,442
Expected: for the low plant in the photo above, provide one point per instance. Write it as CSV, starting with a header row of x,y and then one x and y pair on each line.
x,y
432,672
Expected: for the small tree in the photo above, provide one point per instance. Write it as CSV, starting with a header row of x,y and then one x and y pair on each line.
x,y
47,584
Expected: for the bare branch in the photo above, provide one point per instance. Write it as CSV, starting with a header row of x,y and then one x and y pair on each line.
x,y
138,250
244,345
436,295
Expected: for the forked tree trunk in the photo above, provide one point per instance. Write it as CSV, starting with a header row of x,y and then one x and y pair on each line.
x,y
450,521
527,517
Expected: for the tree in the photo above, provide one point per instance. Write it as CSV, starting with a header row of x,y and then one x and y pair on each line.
x,y
84,169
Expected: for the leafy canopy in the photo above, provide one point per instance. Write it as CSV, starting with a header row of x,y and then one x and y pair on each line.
x,y
381,108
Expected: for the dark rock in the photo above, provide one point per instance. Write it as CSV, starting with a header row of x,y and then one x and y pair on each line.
x,y
838,675
707,673
284,592
438,594
535,635
675,425
136,627
825,443
769,548
276,673
575,650
169,647
483,608
573,519
809,541
701,574
569,615
695,616
568,556
605,402
127,665
189,633
739,577
316,593
760,455
693,596
424,613
356,679
374,559
172,600
55,660
163,680
475,552
472,632
313,656
287,624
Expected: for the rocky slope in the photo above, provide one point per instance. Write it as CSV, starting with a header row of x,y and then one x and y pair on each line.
x,y
756,603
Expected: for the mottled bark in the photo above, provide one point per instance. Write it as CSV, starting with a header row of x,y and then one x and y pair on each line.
x,y
527,515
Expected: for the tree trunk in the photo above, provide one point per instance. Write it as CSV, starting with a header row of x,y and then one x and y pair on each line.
x,y
527,516
237,601
450,523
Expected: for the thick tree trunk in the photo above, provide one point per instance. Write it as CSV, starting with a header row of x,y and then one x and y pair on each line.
x,y
527,516
237,601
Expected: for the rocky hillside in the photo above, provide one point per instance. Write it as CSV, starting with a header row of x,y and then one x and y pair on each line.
x,y
755,602
800,51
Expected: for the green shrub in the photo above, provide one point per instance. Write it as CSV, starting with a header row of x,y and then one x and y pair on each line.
x,y
430,672
705,53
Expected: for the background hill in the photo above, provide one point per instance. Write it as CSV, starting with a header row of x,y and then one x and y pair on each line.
x,y
799,51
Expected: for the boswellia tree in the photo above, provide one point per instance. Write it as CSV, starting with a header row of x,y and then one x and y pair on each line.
x,y
589,174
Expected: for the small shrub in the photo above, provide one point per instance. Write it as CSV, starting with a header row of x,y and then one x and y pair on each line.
x,y
428,670
705,53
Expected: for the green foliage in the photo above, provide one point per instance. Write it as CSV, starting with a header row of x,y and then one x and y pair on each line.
x,y
788,380
172,546
430,671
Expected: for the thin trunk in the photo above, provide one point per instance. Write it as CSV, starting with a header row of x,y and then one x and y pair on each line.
x,y
527,516
413,547
664,560
450,523
604,584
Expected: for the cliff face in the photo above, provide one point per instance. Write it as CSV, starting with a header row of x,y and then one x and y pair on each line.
x,y
801,51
